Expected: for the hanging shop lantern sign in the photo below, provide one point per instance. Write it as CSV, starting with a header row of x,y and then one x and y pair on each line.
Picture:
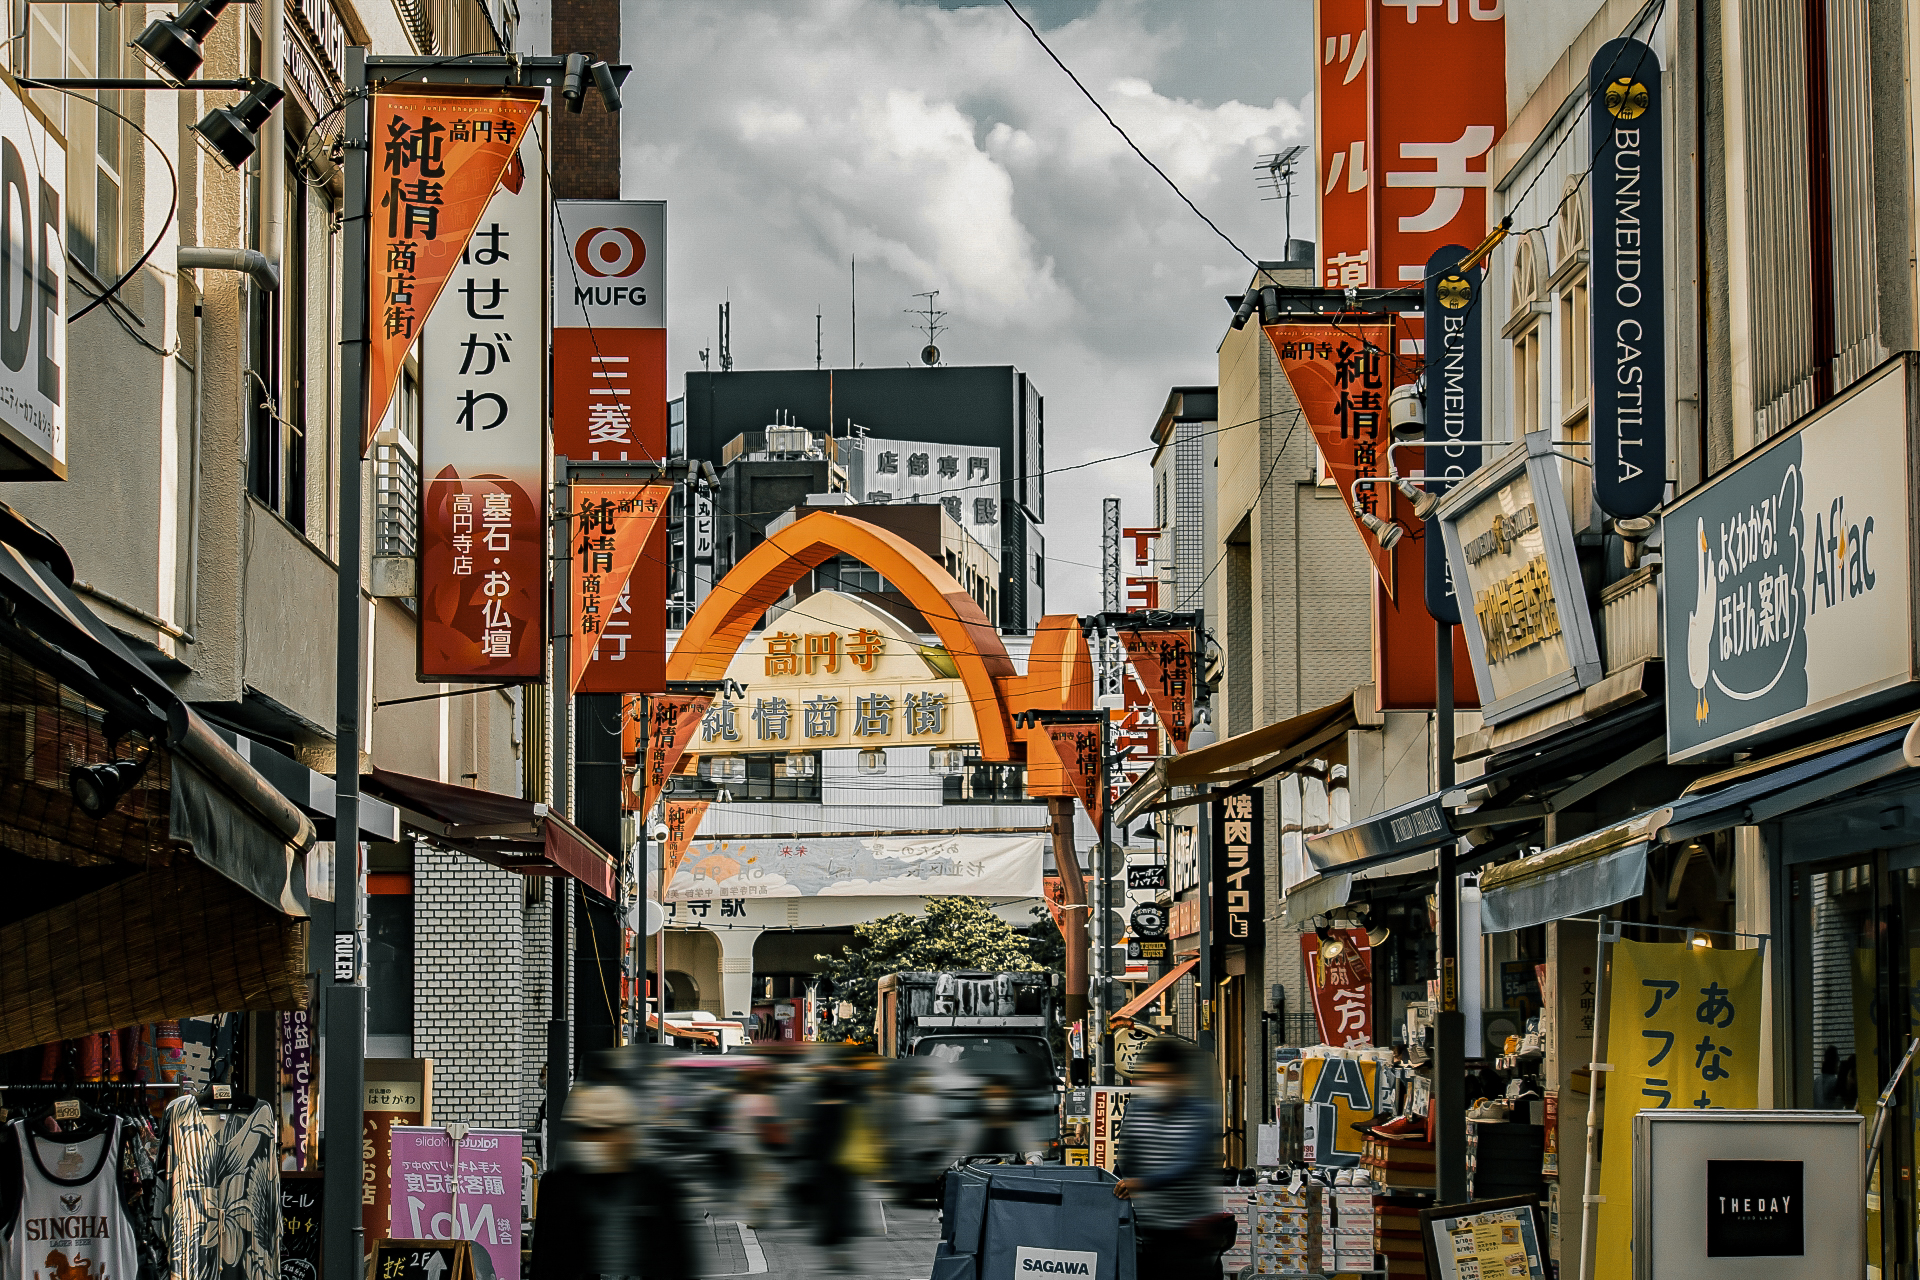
x,y
1628,282
439,156
1454,407
612,525
483,535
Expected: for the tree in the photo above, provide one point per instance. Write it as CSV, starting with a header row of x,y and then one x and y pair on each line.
x,y
955,933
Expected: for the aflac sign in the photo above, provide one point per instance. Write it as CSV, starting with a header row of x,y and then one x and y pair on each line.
x,y
1788,582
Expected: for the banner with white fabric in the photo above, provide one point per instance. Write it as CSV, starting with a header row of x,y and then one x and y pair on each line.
x,y
860,866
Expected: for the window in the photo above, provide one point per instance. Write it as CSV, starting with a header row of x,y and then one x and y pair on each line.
x,y
984,783
769,777
83,40
1526,330
1576,347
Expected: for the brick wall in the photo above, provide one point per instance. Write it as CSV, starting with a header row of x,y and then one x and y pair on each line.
x,y
586,147
468,999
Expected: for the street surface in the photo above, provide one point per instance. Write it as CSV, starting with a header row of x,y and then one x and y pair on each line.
x,y
897,1244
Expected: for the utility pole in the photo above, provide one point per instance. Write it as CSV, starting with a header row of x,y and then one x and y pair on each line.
x,y
344,1024
1449,1024
1103,994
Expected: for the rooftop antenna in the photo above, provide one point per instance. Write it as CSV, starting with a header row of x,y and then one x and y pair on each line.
x,y
726,337
853,306
705,358
930,321
817,354
1278,170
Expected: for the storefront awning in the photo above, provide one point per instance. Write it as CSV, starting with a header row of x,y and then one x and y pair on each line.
x,y
1399,832
1319,894
1610,865
314,794
1235,761
1152,993
504,831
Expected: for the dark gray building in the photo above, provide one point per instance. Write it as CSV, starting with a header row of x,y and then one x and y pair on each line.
x,y
985,405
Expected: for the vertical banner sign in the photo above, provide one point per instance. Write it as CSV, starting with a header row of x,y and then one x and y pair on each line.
x,y
1343,128
299,1090
609,330
1683,1030
1431,151
672,718
1240,872
33,288
1628,281
438,157
1342,988
1164,661
1078,746
483,536
1454,326
612,525
683,824
1341,376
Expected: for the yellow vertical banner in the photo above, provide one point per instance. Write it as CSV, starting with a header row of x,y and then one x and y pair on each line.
x,y
1683,1030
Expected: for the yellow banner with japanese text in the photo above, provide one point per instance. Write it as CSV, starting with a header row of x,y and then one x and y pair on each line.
x,y
1683,1030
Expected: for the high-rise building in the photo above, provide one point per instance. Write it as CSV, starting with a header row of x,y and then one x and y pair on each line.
x,y
729,417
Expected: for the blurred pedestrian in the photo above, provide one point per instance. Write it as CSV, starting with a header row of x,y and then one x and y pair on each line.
x,y
606,1207
1169,1163
761,1141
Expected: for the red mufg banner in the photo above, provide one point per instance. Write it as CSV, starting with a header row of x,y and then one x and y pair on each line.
x,y
483,528
671,720
1078,746
613,525
1164,661
1342,985
439,156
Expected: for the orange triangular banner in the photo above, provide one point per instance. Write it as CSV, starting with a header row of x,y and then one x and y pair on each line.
x,y
438,158
1342,374
611,528
1164,660
671,720
683,824
1078,746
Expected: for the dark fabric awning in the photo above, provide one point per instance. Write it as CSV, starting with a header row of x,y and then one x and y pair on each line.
x,y
1243,758
1399,832
504,831
314,794
236,822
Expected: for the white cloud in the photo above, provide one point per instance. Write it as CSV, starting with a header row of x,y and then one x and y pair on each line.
x,y
942,149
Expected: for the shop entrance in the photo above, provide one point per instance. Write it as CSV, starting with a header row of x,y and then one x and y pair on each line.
x,y
1852,930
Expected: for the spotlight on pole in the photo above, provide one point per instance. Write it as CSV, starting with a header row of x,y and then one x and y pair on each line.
x,y
171,45
1385,532
573,81
607,80
1423,502
231,134
1243,309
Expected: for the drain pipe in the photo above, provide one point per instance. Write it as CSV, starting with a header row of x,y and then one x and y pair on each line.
x,y
258,267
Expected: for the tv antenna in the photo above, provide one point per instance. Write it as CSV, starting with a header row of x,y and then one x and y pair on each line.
x,y
930,321
1278,170
726,337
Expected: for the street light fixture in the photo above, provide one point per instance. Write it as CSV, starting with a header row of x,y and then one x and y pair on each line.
x,y
171,45
231,134
1385,532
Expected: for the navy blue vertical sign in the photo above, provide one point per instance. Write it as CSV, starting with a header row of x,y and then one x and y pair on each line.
x,y
1627,281
1453,403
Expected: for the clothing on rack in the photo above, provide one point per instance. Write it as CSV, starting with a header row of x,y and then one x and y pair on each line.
x,y
133,1162
68,1220
219,1191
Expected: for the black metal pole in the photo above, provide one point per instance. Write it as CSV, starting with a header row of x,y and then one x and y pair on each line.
x,y
1203,847
1449,1024
637,962
1104,1007
345,1024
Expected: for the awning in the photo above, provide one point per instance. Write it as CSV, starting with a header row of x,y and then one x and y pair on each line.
x,y
315,794
1319,894
236,822
504,831
1399,832
1243,758
1610,865
1152,993
1535,890
683,1033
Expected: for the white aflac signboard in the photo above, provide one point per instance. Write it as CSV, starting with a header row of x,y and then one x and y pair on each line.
x,y
33,293
1788,578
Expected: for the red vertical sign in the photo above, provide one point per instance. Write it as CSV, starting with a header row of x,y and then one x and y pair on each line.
x,y
613,524
1342,988
671,720
1164,661
1078,746
1343,136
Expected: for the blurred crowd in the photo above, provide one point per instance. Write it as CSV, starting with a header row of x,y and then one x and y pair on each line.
x,y
652,1142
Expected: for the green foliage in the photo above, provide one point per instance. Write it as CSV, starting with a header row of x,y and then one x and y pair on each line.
x,y
955,933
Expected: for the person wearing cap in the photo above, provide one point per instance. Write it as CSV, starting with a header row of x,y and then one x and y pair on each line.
x,y
602,1210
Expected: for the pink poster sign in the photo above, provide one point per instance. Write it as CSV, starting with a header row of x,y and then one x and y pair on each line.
x,y
487,1211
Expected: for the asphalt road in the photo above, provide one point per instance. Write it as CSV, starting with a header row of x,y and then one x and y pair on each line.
x,y
897,1244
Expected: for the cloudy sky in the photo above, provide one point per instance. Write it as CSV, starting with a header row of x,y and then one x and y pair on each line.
x,y
936,144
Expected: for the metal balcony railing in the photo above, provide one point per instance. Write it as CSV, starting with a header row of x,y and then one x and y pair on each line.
x,y
396,489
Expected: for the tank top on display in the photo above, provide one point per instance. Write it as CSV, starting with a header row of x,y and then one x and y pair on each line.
x,y
70,1224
